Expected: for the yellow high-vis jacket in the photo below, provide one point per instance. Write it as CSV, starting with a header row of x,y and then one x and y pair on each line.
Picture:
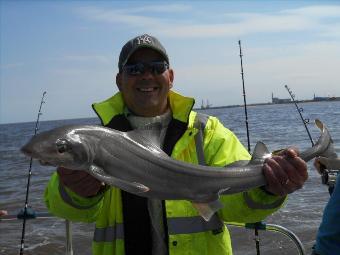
x,y
121,219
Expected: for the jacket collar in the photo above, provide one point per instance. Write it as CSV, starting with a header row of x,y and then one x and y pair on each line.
x,y
180,106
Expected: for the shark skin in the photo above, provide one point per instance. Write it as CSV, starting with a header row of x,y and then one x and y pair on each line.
x,y
330,163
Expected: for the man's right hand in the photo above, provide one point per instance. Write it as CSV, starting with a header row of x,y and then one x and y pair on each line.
x,y
80,182
3,213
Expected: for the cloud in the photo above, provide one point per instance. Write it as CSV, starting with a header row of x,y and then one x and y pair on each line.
x,y
314,18
87,58
249,25
11,66
128,15
316,11
235,25
116,16
332,31
170,8
306,67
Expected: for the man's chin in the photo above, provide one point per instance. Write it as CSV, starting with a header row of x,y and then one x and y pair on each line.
x,y
150,110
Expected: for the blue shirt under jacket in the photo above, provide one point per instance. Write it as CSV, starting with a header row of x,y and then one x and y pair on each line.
x,y
328,237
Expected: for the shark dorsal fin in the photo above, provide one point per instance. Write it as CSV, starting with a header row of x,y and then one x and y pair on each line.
x,y
260,151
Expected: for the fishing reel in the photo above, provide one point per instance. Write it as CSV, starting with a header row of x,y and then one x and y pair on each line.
x,y
328,177
329,169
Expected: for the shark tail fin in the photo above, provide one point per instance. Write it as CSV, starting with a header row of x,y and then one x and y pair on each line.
x,y
330,151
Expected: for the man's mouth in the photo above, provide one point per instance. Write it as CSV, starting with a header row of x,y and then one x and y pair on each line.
x,y
145,90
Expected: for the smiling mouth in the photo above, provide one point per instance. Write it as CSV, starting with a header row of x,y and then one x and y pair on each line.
x,y
146,90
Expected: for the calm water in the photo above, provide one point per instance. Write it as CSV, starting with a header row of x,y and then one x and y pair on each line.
x,y
278,126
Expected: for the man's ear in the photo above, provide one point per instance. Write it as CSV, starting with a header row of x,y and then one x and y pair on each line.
x,y
171,78
119,81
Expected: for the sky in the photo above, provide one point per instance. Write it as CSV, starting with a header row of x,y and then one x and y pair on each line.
x,y
70,49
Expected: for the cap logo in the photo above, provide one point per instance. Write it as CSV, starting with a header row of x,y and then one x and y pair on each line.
x,y
144,39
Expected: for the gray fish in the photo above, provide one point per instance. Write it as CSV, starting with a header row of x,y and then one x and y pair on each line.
x,y
330,163
330,159
133,163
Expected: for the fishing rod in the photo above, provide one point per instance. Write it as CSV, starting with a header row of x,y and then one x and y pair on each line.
x,y
26,213
300,110
244,96
256,232
328,176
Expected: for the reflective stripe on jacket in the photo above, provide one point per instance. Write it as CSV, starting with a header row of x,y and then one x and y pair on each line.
x,y
188,233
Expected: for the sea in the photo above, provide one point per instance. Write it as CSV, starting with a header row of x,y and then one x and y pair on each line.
x,y
278,126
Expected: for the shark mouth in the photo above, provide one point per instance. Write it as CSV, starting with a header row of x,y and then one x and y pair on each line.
x,y
46,163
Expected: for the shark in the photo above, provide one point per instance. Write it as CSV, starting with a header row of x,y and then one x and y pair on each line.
x,y
136,164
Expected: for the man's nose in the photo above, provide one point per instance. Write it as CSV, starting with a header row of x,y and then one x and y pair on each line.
x,y
148,73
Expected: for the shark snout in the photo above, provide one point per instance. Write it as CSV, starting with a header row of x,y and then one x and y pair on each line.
x,y
27,150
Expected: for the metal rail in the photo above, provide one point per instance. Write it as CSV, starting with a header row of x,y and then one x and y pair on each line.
x,y
273,228
12,217
30,214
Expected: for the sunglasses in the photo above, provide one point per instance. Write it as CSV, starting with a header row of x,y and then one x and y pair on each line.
x,y
156,68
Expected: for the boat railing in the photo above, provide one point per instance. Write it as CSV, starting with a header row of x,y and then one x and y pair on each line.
x,y
30,214
273,228
259,225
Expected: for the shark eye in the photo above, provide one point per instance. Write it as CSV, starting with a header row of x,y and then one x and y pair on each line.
x,y
62,145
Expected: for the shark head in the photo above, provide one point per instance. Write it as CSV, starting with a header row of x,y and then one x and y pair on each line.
x,y
64,146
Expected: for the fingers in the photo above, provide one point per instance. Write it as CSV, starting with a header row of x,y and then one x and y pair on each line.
x,y
79,182
295,166
285,173
274,184
87,186
290,152
319,166
70,177
3,213
278,180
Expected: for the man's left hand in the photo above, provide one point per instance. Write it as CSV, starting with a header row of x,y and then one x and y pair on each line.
x,y
285,172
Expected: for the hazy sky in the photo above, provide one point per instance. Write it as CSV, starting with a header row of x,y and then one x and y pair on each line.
x,y
70,49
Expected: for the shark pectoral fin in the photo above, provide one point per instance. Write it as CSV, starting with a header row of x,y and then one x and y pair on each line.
x,y
140,187
207,210
132,187
224,191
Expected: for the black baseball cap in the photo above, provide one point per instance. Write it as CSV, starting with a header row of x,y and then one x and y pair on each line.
x,y
141,41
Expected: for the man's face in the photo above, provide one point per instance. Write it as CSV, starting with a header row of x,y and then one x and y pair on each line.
x,y
145,94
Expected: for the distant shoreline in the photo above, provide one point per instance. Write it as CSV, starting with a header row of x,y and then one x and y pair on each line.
x,y
257,104
196,109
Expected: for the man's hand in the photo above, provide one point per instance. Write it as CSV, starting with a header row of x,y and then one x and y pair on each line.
x,y
3,213
319,167
80,182
285,172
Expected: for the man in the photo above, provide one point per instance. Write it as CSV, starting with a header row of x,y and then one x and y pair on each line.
x,y
129,224
328,236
